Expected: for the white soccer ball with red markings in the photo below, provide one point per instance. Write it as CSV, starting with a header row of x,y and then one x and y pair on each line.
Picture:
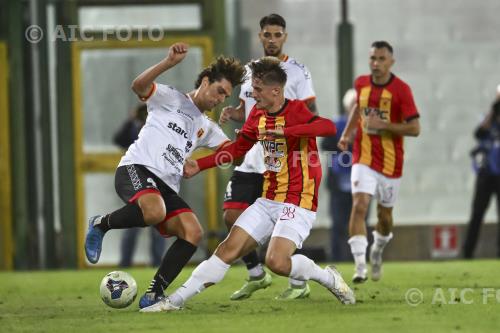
x,y
118,289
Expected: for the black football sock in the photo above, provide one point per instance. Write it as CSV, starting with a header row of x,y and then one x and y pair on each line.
x,y
174,260
129,216
251,260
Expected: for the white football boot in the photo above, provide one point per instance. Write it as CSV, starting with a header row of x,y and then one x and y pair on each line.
x,y
339,288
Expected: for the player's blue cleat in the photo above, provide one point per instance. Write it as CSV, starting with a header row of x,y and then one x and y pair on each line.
x,y
163,305
93,241
149,299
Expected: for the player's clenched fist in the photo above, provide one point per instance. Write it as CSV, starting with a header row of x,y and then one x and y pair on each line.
x,y
191,168
343,143
177,52
226,114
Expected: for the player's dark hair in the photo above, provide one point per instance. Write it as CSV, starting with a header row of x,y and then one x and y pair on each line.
x,y
223,68
269,70
272,19
380,44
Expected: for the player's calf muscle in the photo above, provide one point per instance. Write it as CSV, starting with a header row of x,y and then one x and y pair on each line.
x,y
227,252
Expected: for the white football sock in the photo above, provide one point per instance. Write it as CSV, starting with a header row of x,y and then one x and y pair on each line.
x,y
380,241
209,272
304,269
256,271
358,245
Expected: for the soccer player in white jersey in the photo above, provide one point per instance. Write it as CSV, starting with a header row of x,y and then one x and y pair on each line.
x,y
149,174
246,182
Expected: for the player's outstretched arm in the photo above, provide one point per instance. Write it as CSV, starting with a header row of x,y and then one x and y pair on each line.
x,y
143,84
316,127
228,153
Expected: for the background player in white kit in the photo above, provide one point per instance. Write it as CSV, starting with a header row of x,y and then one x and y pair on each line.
x,y
149,174
246,182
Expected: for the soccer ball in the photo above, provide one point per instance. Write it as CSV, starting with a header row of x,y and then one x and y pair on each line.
x,y
118,289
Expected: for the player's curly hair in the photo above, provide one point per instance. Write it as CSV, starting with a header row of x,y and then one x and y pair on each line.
x,y
269,70
223,68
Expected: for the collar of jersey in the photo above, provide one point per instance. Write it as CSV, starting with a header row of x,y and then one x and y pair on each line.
x,y
277,113
191,100
382,85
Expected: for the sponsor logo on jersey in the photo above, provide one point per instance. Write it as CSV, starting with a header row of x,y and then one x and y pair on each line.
x,y
380,113
273,152
306,73
174,156
187,115
188,147
273,148
177,129
200,132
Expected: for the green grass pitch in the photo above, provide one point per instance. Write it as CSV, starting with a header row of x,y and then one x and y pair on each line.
x,y
457,296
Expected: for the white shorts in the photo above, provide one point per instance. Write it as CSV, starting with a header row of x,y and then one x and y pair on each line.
x,y
265,219
366,180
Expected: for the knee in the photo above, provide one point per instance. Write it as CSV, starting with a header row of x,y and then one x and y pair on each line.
x,y
153,214
278,264
359,209
193,234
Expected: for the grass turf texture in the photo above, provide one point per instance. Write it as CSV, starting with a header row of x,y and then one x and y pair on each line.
x,y
68,301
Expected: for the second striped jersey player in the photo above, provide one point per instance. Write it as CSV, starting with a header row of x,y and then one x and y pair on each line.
x,y
384,114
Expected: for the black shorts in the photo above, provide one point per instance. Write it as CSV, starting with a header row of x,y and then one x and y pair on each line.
x,y
243,189
134,180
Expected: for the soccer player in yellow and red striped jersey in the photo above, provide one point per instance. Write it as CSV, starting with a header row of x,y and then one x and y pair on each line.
x,y
384,114
285,213
245,185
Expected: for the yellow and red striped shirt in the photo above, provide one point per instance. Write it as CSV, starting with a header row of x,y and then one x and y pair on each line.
x,y
293,168
392,102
